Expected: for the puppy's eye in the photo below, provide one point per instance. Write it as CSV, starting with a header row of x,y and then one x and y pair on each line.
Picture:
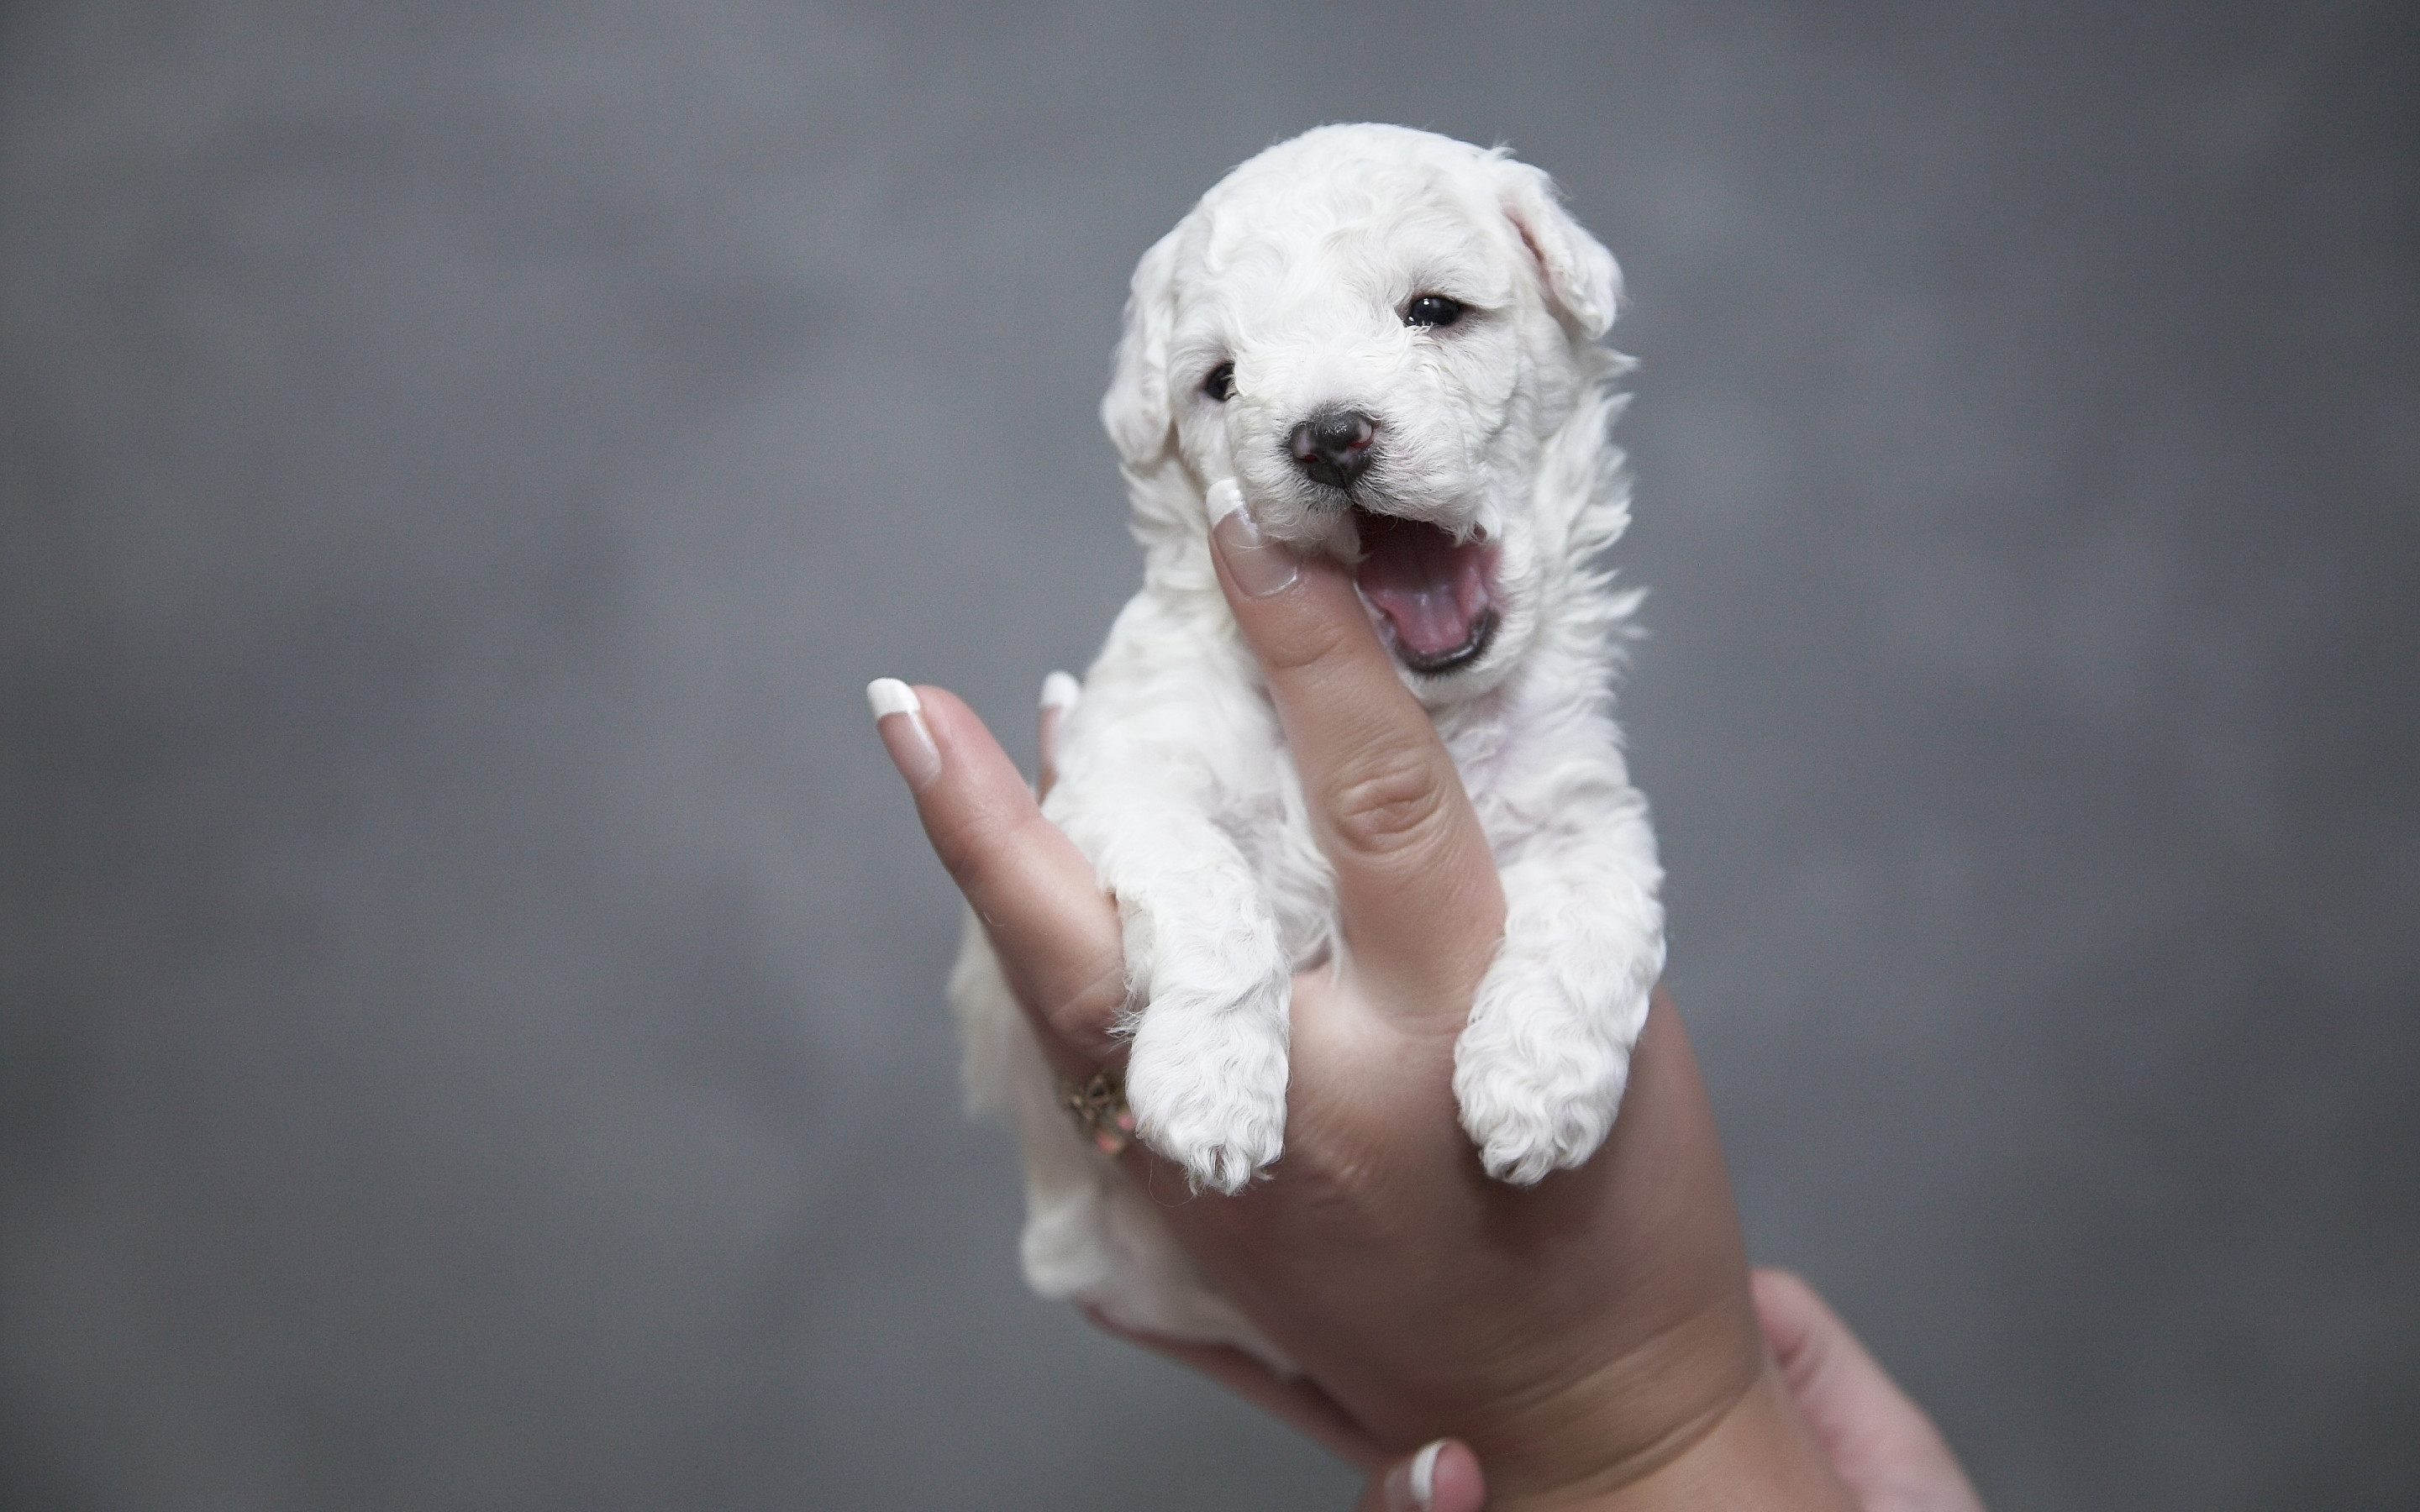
x,y
1221,382
1432,310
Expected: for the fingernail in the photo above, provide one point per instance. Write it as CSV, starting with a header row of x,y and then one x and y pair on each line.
x,y
1258,566
899,718
1412,1488
1058,695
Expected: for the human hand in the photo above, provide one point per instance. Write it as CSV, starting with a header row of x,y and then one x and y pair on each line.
x,y
1882,1444
1592,1337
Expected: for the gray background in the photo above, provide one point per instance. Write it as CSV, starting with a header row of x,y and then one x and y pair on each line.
x,y
472,1021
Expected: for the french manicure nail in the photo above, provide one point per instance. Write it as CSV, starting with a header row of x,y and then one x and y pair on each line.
x,y
1061,691
906,737
1258,566
1413,1489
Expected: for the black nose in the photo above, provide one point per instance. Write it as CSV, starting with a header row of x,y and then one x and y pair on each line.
x,y
1333,446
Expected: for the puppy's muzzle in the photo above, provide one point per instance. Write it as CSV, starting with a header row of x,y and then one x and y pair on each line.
x,y
1333,446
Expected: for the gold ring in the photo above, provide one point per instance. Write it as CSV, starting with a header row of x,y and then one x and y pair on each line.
x,y
1099,1108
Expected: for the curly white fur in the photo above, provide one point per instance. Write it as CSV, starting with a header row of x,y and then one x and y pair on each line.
x,y
1174,779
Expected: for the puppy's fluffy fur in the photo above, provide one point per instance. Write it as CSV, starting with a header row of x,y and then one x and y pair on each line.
x,y
1486,488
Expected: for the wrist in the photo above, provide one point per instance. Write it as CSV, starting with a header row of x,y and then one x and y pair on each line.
x,y
1754,1453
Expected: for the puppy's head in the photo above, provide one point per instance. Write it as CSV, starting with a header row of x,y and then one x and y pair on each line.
x,y
1376,332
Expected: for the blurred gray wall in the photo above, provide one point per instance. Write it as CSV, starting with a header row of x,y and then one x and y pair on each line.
x,y
472,1009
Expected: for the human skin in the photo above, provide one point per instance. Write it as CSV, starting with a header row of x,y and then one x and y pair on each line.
x,y
1592,1338
1883,1446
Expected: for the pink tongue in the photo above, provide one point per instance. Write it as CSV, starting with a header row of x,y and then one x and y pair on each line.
x,y
1431,590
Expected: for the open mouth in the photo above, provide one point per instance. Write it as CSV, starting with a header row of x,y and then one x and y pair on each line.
x,y
1433,592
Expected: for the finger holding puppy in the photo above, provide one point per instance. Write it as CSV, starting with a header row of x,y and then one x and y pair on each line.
x,y
1056,936
1416,883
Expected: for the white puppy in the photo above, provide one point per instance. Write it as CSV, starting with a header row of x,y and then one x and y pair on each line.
x,y
1390,342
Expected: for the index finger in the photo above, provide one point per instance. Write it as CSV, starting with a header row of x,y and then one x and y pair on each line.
x,y
1055,934
1416,882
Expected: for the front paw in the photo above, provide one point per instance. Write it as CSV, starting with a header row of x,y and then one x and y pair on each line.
x,y
1207,1083
1539,1071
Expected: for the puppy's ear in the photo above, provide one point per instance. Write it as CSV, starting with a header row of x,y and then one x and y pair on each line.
x,y
1581,277
1137,411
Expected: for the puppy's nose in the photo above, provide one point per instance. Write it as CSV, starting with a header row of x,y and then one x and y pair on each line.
x,y
1333,446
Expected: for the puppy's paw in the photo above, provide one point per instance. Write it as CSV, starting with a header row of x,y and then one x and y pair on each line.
x,y
1207,1083
1529,1118
1539,1078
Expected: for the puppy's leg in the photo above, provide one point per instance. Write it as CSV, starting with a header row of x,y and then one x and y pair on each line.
x,y
1539,1070
1207,1075
1092,1235
1069,1249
